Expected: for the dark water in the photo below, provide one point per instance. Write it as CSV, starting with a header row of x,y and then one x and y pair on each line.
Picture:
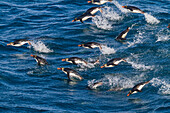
x,y
27,87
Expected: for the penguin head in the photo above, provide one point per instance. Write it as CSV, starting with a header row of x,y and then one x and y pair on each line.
x,y
168,26
81,45
66,59
130,92
105,65
11,43
60,69
74,20
124,6
34,56
89,1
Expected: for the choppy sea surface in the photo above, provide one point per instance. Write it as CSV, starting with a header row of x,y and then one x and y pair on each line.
x,y
27,87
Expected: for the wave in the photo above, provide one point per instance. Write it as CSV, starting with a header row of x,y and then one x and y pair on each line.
x,y
163,35
40,47
102,21
150,19
137,65
164,87
107,50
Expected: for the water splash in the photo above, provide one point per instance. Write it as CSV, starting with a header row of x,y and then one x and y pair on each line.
x,y
138,66
150,19
40,47
107,50
164,87
119,6
102,21
163,35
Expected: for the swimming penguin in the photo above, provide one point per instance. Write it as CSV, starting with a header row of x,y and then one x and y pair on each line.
x,y
19,42
40,60
76,61
113,62
99,2
123,34
88,14
168,26
91,45
95,85
133,9
71,74
137,88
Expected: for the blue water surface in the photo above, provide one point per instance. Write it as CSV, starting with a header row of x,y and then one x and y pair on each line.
x,y
27,87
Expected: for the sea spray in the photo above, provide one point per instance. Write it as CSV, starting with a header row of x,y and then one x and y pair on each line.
x,y
150,19
40,47
164,86
163,35
107,50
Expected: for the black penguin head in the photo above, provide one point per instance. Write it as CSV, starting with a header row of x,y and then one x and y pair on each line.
x,y
11,43
60,69
34,56
124,6
81,45
66,59
74,20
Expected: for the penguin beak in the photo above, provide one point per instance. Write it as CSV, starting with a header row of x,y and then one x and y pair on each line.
x,y
63,59
8,44
29,43
101,11
102,66
79,45
128,94
123,6
32,55
59,68
89,1
73,20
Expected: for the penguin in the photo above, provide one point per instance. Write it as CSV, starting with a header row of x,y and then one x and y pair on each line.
x,y
133,9
99,2
91,45
137,88
39,60
19,42
71,74
168,26
123,34
113,62
88,14
77,60
95,85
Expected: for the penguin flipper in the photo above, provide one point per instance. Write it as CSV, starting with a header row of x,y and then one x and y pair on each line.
x,y
139,90
68,76
81,21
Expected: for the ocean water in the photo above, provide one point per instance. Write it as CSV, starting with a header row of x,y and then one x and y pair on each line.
x,y
27,87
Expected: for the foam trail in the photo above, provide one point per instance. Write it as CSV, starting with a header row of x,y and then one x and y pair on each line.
x,y
163,35
139,66
107,50
150,19
40,47
164,87
102,21
119,6
137,40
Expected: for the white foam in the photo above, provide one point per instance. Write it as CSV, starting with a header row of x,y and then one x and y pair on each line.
x,y
120,6
107,50
150,19
40,47
163,35
102,20
139,66
138,39
164,87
